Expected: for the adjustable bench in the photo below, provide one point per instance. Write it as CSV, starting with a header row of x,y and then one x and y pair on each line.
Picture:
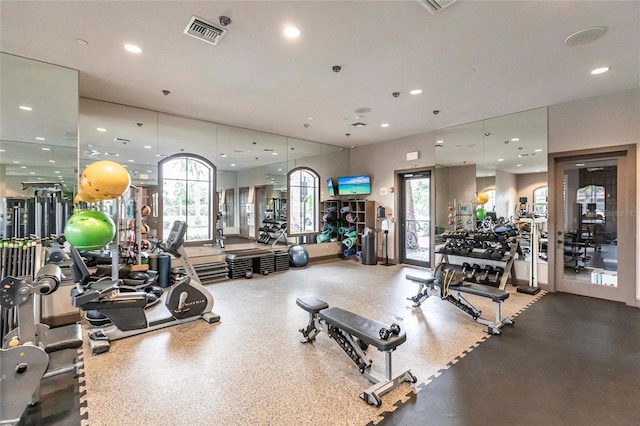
x,y
354,333
428,286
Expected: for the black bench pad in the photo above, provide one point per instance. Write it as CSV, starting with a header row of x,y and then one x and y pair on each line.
x,y
311,304
66,337
363,328
427,280
493,293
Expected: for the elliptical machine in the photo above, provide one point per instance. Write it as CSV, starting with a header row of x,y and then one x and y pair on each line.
x,y
187,300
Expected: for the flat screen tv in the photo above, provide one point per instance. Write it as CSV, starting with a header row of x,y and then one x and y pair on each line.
x,y
354,185
331,188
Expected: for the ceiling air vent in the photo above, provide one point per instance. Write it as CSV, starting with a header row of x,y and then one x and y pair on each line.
x,y
205,31
435,6
358,124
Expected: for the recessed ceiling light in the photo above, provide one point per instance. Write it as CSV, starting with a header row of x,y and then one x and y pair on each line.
x,y
416,91
2,150
518,165
40,138
25,108
515,139
52,161
601,70
439,141
579,164
538,150
309,118
500,159
384,125
125,165
584,36
132,48
149,171
223,155
57,172
274,153
147,146
232,165
279,170
23,167
82,42
101,129
16,162
131,161
45,148
291,32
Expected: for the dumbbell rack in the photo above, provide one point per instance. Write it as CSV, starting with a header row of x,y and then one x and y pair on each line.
x,y
477,256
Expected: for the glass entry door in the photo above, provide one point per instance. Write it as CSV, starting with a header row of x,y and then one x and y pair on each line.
x,y
592,226
244,212
415,218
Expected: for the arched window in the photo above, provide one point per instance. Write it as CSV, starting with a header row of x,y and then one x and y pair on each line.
x,y
540,200
188,187
304,193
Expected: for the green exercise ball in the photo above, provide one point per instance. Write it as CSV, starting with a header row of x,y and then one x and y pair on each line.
x,y
89,230
481,213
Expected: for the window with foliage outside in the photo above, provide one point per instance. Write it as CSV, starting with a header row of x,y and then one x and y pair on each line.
x,y
188,184
304,194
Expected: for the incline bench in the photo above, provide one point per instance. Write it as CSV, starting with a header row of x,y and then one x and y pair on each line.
x,y
430,285
354,333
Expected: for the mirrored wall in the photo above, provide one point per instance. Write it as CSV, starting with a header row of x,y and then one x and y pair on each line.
x,y
38,136
48,133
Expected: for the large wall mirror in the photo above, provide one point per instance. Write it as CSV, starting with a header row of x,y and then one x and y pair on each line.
x,y
48,134
38,140
505,157
252,166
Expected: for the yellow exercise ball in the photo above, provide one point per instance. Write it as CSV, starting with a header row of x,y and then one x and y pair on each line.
x,y
105,180
85,196
482,198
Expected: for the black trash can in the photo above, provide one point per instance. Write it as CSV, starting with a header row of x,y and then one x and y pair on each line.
x,y
369,247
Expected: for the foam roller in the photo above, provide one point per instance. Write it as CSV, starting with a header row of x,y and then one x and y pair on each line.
x,y
345,210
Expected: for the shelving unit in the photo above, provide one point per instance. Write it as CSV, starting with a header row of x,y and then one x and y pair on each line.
x,y
477,256
362,214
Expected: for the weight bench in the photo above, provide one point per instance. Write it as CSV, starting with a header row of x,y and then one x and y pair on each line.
x,y
429,286
354,333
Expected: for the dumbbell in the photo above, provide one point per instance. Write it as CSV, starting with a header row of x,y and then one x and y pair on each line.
x,y
466,267
475,269
495,280
484,277
385,333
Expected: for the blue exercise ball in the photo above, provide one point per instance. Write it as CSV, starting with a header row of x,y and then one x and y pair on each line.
x,y
298,256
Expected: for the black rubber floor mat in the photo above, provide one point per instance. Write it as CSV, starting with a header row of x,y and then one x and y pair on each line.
x,y
569,360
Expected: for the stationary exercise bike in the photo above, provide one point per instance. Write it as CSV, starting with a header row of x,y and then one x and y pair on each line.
x,y
187,300
28,349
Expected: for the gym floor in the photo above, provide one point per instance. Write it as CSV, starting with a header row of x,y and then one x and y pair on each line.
x,y
251,369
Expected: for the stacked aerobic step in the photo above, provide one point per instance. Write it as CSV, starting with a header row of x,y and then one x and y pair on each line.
x,y
208,273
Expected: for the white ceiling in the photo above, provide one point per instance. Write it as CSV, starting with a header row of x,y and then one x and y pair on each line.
x,y
473,60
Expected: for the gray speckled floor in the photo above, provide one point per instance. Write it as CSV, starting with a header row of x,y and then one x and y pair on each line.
x,y
251,369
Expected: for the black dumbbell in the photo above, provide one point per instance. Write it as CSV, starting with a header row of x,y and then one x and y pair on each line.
x,y
495,280
475,270
484,277
385,333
